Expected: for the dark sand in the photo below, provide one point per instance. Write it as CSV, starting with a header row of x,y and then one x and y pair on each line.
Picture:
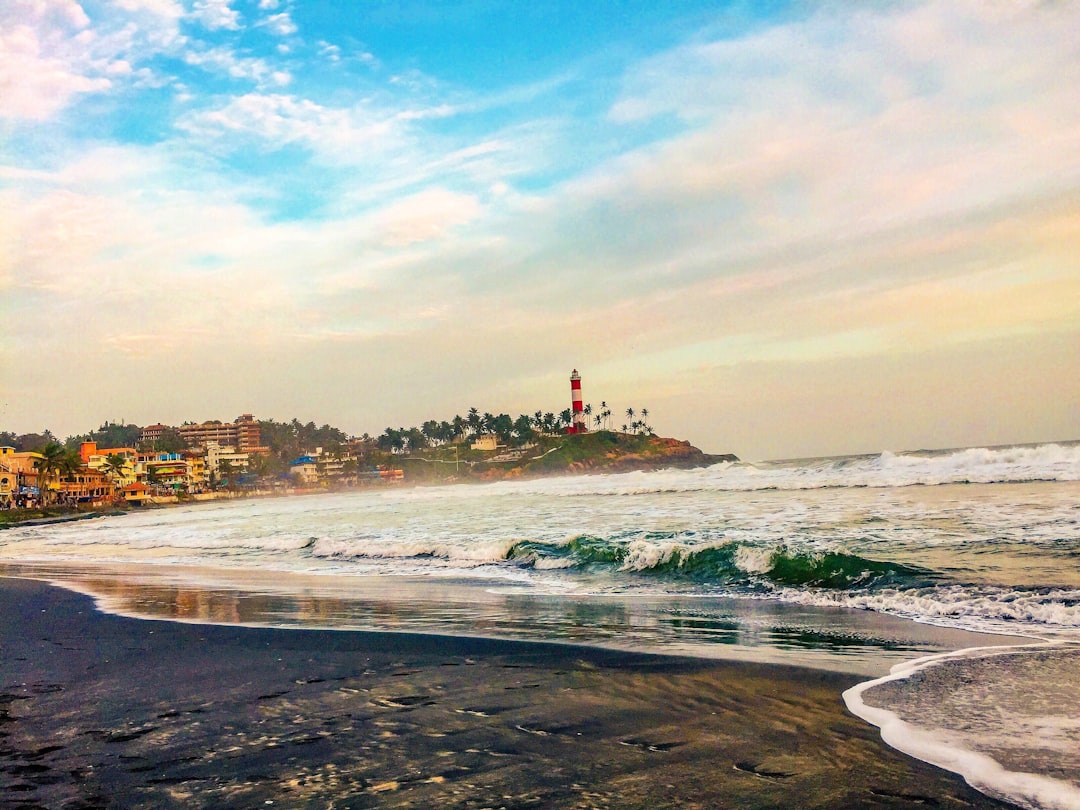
x,y
106,711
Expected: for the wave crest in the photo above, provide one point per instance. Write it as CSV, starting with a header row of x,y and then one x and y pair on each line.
x,y
727,563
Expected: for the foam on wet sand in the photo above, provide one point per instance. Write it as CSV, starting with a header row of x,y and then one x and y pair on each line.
x,y
101,710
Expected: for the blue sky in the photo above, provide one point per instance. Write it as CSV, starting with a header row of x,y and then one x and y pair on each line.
x,y
786,229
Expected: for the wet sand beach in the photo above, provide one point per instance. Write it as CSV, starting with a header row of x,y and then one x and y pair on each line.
x,y
105,711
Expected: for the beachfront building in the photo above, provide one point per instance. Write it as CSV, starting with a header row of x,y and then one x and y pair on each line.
x,y
305,470
221,460
18,476
85,485
197,470
97,459
164,471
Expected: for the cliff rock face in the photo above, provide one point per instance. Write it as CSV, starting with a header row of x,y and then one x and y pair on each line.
x,y
604,452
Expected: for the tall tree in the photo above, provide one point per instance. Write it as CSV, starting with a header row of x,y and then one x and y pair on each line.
x,y
115,466
56,462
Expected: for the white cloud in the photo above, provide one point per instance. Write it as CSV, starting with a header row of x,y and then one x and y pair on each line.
x,y
329,52
51,52
279,119
280,24
34,85
170,9
423,217
216,14
225,61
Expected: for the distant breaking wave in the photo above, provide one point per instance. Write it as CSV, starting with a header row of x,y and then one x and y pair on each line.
x,y
977,465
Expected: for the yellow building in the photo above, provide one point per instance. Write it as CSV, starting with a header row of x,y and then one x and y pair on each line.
x,y
18,475
98,459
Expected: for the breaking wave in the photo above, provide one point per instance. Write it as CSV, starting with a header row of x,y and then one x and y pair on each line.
x,y
977,465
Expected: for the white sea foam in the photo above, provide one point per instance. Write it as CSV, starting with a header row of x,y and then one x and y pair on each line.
x,y
984,609
933,740
754,559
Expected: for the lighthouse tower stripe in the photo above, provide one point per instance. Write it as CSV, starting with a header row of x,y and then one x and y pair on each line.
x,y
575,400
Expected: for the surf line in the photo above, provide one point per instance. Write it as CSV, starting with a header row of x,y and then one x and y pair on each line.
x,y
1030,790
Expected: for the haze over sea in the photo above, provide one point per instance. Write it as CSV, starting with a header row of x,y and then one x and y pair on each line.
x,y
856,563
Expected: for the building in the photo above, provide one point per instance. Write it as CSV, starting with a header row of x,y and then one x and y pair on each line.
x,y
86,485
221,459
196,462
304,469
248,435
243,434
96,458
18,476
488,441
152,434
165,471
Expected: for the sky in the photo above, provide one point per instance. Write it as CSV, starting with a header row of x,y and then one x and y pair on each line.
x,y
785,229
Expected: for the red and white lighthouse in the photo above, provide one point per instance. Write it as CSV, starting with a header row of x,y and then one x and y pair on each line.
x,y
578,423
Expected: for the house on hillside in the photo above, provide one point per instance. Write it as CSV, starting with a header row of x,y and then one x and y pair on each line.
x,y
489,441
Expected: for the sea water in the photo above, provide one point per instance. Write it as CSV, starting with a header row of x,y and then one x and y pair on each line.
x,y
865,564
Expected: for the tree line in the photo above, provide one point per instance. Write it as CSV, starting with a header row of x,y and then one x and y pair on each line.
x,y
513,432
291,439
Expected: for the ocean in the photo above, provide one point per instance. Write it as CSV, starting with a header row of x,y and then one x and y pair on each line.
x,y
949,579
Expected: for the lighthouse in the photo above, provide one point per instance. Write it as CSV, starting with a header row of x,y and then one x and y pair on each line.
x,y
578,423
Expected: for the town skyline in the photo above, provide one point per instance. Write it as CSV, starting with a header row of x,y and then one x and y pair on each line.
x,y
793,229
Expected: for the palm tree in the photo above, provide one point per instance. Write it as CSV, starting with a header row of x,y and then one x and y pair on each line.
x,y
56,460
225,472
630,413
115,467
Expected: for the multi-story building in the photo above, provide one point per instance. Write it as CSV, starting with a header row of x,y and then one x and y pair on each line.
x,y
243,434
248,435
151,434
220,458
196,466
18,475
86,485
97,458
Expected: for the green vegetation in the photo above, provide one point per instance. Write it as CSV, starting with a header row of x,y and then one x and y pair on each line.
x,y
437,450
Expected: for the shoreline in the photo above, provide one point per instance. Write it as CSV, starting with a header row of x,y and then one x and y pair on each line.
x,y
104,710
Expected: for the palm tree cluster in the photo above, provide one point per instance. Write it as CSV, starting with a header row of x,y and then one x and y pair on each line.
x,y
508,430
433,433
602,420
56,462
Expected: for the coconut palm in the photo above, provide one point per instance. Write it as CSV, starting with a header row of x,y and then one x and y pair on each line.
x,y
226,471
115,466
56,461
